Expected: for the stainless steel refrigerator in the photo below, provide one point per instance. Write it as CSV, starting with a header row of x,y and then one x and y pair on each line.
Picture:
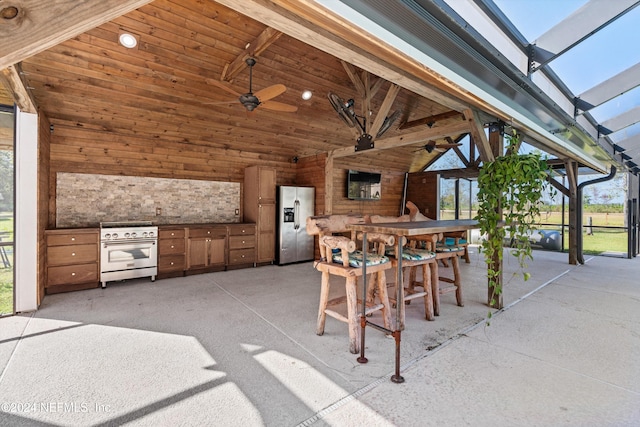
x,y
295,204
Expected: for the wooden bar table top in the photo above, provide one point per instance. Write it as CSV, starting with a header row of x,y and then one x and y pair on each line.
x,y
416,228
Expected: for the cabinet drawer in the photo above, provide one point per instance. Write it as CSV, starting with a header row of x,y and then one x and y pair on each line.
x,y
242,230
171,246
171,263
242,242
171,233
71,274
72,239
242,256
208,232
72,254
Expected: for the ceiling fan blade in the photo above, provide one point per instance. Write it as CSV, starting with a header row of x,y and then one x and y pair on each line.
x,y
222,86
270,92
278,106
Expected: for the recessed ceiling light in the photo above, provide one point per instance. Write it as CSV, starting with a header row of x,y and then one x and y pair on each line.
x,y
128,40
307,94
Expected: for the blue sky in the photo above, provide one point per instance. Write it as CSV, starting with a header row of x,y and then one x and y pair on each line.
x,y
598,58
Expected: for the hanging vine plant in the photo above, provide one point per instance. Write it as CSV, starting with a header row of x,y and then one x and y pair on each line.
x,y
510,192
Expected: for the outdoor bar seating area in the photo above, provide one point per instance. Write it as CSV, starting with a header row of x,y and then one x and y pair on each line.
x,y
365,247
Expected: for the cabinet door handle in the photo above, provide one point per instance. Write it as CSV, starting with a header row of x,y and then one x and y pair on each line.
x,y
172,246
172,263
73,239
73,274
73,254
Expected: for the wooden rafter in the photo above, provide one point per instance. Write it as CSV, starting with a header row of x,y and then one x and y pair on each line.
x,y
431,120
459,152
39,25
253,49
557,185
408,139
355,79
381,115
11,78
476,128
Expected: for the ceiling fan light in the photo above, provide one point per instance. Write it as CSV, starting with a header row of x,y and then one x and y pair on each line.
x,y
307,94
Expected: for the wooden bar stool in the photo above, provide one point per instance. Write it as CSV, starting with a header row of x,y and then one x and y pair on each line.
x,y
458,238
338,257
412,259
449,252
444,253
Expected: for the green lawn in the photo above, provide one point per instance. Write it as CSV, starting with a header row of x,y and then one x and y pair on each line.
x,y
602,240
6,290
6,274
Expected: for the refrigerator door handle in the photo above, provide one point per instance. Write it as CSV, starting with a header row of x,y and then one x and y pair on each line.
x,y
296,214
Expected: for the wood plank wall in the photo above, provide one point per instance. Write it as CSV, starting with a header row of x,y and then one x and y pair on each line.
x,y
391,192
422,189
44,143
76,147
310,172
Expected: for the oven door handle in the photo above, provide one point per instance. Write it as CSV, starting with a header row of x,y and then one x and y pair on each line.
x,y
127,242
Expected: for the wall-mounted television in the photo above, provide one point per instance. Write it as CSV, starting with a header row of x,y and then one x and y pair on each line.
x,y
363,185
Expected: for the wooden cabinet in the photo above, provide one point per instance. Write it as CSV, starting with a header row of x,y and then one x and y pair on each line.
x,y
242,244
260,207
172,251
206,248
72,260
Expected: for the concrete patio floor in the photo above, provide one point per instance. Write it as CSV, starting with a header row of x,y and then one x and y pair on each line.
x,y
239,348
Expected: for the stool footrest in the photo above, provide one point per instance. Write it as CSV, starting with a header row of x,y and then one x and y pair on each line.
x,y
447,289
370,309
336,315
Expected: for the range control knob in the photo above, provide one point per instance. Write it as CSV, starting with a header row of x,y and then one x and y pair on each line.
x,y
144,234
151,233
133,234
114,235
126,235
107,236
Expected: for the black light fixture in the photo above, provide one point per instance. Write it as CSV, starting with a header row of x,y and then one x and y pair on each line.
x,y
625,156
632,164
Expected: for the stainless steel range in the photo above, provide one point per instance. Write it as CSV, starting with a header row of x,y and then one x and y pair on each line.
x,y
128,249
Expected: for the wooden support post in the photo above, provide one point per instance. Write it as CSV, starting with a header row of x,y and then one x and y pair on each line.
x,y
328,184
496,144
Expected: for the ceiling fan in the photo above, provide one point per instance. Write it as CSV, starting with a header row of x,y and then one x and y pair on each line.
x,y
262,98
347,114
431,146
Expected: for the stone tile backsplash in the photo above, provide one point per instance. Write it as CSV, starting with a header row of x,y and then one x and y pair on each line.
x,y
84,200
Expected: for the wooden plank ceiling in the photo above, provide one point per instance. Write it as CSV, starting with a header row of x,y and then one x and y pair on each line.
x,y
165,88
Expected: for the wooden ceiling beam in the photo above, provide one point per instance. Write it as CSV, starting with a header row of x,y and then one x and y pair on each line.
x,y
253,49
12,79
408,139
459,152
381,115
355,79
476,128
32,26
431,120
